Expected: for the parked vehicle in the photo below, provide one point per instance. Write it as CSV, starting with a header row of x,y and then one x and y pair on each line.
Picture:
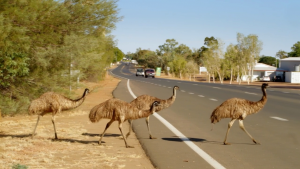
x,y
265,79
140,72
278,79
150,73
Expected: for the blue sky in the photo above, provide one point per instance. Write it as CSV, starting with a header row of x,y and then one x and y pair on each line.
x,y
148,23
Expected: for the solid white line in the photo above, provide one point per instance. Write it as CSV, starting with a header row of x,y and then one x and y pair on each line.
x,y
194,147
281,119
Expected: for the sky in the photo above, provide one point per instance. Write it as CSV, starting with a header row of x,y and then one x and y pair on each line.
x,y
146,24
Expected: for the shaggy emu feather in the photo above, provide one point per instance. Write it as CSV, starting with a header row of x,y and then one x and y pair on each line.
x,y
144,102
118,110
55,103
236,108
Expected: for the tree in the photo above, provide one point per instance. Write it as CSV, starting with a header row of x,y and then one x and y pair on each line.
x,y
231,58
269,60
249,48
44,41
295,50
281,54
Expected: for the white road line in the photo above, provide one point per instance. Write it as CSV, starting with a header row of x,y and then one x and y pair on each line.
x,y
250,93
278,118
178,82
194,147
200,95
182,90
213,99
169,87
216,87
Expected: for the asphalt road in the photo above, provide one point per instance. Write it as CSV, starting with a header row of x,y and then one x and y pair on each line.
x,y
275,127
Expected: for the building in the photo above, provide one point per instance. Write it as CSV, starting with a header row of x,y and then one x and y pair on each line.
x,y
260,70
291,66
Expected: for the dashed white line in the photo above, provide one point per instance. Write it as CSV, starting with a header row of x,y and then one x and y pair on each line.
x,y
198,150
281,119
250,93
182,90
213,99
216,87
200,95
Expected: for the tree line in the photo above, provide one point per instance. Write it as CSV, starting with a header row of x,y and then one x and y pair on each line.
x,y
46,45
237,61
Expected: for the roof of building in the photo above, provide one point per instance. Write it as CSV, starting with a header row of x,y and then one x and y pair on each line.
x,y
263,67
291,59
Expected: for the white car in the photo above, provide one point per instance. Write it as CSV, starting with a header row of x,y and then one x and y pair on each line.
x,y
140,72
265,79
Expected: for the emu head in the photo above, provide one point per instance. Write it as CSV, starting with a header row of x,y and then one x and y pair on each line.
x,y
264,85
86,91
176,87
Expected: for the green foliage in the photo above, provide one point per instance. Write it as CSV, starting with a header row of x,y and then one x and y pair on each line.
x,y
295,50
118,54
19,166
269,60
281,54
11,66
45,45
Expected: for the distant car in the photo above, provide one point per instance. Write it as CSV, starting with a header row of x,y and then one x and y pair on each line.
x,y
150,73
139,72
265,79
278,79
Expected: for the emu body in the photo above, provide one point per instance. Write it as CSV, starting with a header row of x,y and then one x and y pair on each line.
x,y
54,103
238,109
118,110
144,102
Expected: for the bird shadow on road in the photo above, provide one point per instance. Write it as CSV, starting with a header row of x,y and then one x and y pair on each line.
x,y
75,141
98,135
231,143
184,139
15,135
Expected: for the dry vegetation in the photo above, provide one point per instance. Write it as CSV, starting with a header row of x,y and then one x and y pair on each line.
x,y
76,146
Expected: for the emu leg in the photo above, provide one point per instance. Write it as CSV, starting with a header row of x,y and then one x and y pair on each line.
x,y
53,122
147,121
38,119
243,128
107,125
120,128
130,128
229,126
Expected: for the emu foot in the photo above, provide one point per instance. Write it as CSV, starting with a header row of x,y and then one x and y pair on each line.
x,y
32,135
56,136
256,142
151,137
225,143
129,146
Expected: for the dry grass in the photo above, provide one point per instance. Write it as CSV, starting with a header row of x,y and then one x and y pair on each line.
x,y
77,146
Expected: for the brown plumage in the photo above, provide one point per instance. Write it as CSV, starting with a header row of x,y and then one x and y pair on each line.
x,y
55,103
144,102
236,108
118,110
